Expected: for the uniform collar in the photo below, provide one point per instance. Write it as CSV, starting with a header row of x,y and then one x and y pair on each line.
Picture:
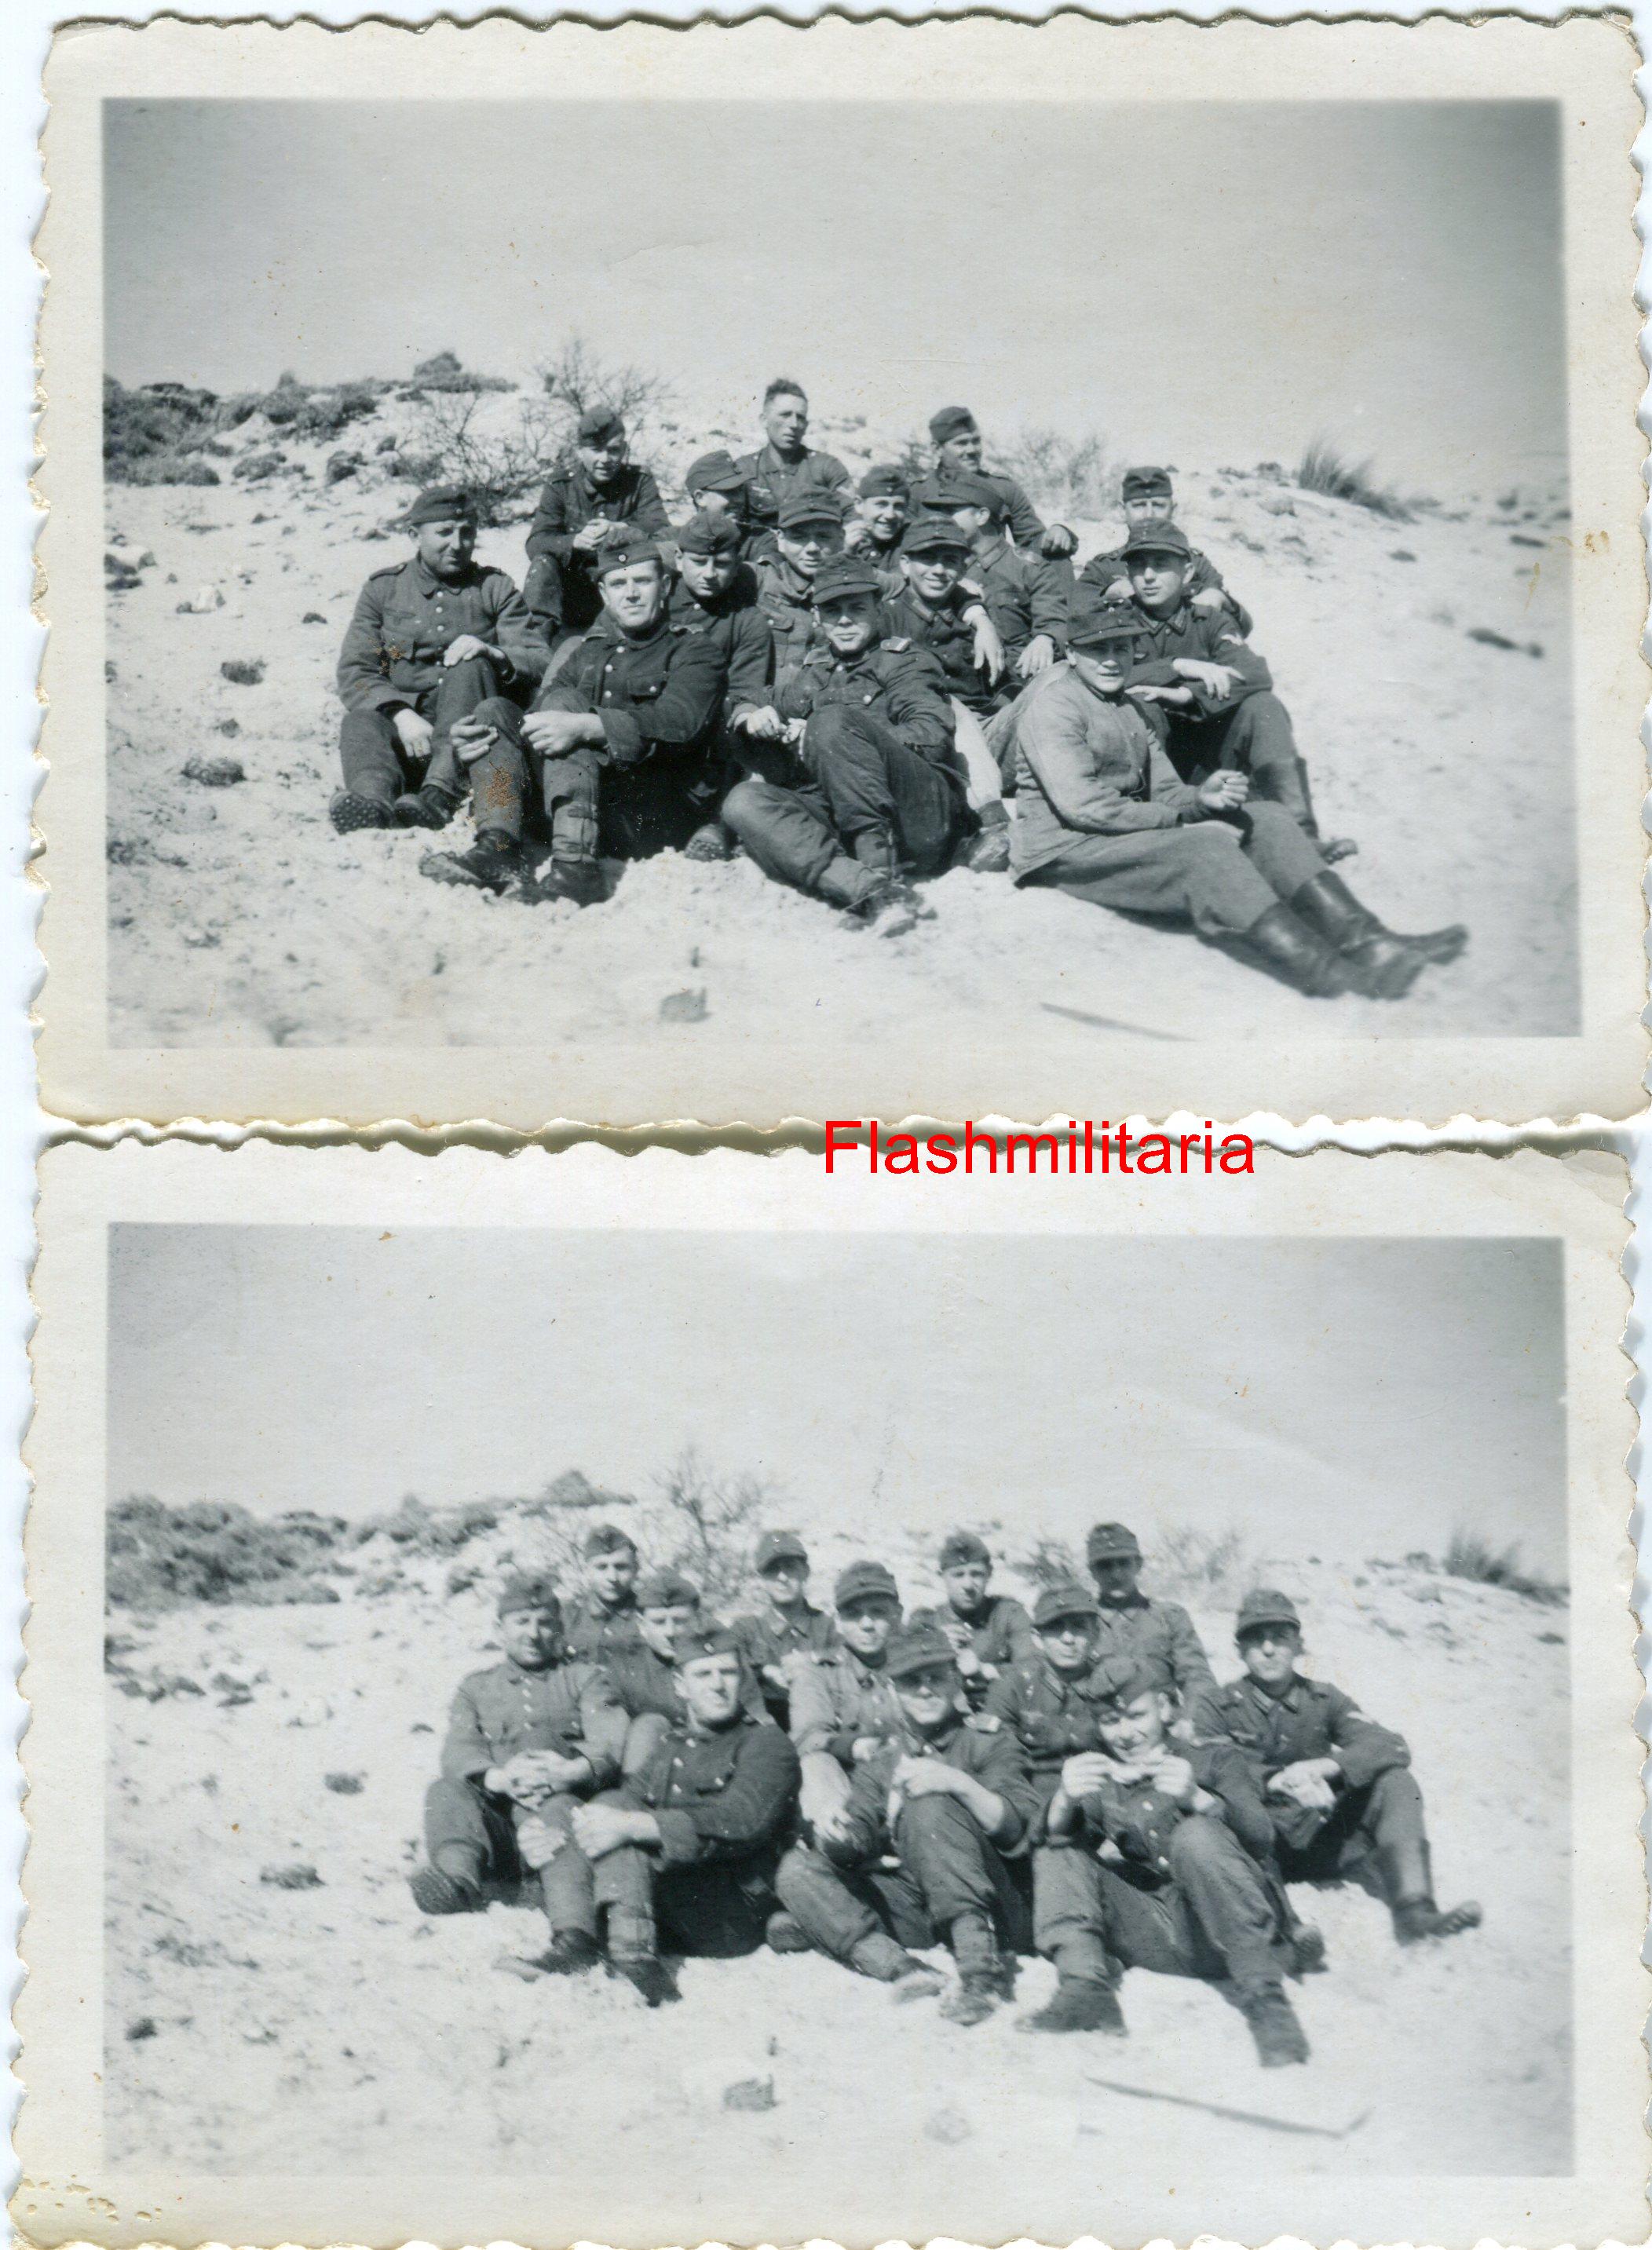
x,y
530,1671
610,630
770,460
999,548
428,582
793,583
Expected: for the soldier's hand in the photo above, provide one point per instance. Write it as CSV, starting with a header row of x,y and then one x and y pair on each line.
x,y
538,1844
553,732
1037,656
1117,590
765,725
1057,543
989,650
1217,680
865,1746
1223,791
471,738
925,1776
600,1829
1304,1784
552,1768
1173,1777
468,644
589,536
1083,1774
417,734
1147,692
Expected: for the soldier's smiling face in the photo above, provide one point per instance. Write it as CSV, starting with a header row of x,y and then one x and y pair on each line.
x,y
783,1584
531,1637
709,1687
932,577
635,594
1068,1643
707,576
660,1623
886,514
1269,1652
928,1697
784,420
1133,1730
965,1584
1157,579
806,545
446,546
602,462
865,1626
613,1573
849,622
1148,507
963,451
1101,668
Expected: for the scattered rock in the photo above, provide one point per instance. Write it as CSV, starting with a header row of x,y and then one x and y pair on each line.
x,y
749,2094
686,1007
297,1875
202,941
1401,555
1491,638
146,561
342,464
388,443
948,2126
256,466
141,2027
244,674
227,726
202,602
313,618
344,1784
214,773
109,674
1276,503
1524,539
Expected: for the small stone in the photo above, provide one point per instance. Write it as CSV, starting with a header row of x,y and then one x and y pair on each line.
x,y
214,773
241,672
749,2094
298,1875
141,2027
344,1784
227,726
202,940
313,618
686,1007
948,2126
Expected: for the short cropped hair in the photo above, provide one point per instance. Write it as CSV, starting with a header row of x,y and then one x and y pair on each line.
x,y
783,386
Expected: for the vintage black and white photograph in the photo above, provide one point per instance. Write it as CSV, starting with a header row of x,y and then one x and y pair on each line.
x,y
810,585
764,1729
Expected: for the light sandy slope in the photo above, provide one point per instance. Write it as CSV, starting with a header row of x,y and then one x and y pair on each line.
x,y
238,918
255,2029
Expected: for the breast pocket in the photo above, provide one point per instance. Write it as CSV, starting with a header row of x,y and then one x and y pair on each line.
x,y
406,637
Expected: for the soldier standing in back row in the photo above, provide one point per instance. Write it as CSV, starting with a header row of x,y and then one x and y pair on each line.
x,y
580,509
431,639
1344,1803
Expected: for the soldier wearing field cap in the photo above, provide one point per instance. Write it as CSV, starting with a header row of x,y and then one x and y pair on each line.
x,y
1148,498
431,639
603,1619
1047,1698
583,505
684,1851
883,508
1105,817
1345,1804
956,438
715,593
785,468
619,750
1158,1857
988,1632
854,785
787,1630
947,1802
808,534
841,1702
669,1609
528,1739
1131,1623
936,610
1025,594
716,486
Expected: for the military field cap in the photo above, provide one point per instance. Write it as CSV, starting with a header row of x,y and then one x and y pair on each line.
x,y
951,422
1121,1679
599,424
960,488
1158,539
631,547
441,504
915,1648
1071,1600
609,1539
781,1547
1265,1605
1138,483
527,1590
709,534
860,1581
713,1641
1092,623
1112,1541
811,508
717,471
843,575
885,481
934,534
962,1547
666,1589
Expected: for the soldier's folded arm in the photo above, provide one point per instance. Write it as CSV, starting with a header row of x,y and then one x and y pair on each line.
x,y
921,710
1231,1782
1237,654
679,717
1019,1645
1047,604
1052,741
550,533
1026,526
814,1717
750,1811
364,675
1362,1748
1004,1771
750,664
604,1723
466,1753
864,1831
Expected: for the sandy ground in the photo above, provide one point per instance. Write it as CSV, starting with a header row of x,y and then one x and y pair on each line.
x,y
237,918
251,2029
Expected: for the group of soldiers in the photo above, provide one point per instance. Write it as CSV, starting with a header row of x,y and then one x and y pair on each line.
x,y
853,683
971,1779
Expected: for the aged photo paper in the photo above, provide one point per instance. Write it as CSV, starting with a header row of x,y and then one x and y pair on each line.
x,y
631,575
1195,1792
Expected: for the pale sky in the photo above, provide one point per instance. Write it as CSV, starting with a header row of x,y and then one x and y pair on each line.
x,y
1353,1399
1205,283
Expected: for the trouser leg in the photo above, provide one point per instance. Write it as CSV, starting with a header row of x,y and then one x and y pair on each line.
x,y
940,1846
458,693
1068,1922
643,1737
1230,1899
1149,1926
999,732
717,1913
1284,854
571,795
839,1910
369,752
622,1887
468,1834
1201,871
1257,738
498,776
543,594
565,1880
1395,1838
885,801
789,833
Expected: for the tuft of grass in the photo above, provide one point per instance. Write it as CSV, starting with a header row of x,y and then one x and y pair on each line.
x,y
1064,476
1324,469
1472,1556
1207,1567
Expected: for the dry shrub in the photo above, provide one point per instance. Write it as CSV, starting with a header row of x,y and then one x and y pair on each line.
x,y
1469,1555
1206,1567
158,1557
1064,476
1324,469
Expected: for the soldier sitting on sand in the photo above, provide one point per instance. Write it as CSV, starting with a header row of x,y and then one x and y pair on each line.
x,y
597,497
430,640
1148,498
1345,1804
529,1738
988,1632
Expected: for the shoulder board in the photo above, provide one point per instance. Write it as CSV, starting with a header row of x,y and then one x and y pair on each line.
x,y
897,644
984,1722
390,571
